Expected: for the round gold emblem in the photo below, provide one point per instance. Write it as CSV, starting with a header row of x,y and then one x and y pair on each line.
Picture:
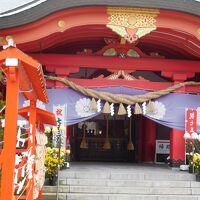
x,y
132,20
61,23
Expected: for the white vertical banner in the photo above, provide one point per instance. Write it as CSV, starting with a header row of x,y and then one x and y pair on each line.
x,y
60,114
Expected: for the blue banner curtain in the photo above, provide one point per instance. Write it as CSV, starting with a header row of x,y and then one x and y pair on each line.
x,y
169,109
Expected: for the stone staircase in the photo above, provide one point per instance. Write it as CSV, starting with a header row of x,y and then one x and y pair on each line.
x,y
124,183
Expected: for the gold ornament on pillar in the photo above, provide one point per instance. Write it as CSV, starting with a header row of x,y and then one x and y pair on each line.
x,y
130,146
107,144
84,144
132,23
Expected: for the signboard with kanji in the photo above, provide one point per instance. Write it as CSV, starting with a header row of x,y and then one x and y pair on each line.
x,y
191,121
162,151
162,146
60,114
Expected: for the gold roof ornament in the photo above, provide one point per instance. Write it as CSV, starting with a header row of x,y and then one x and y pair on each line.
x,y
132,23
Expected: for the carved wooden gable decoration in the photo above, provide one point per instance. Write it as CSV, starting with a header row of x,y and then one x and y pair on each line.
x,y
132,23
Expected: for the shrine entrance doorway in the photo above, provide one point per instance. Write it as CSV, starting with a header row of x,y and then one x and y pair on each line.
x,y
95,133
144,133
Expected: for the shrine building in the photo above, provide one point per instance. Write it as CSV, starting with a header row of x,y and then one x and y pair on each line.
x,y
120,74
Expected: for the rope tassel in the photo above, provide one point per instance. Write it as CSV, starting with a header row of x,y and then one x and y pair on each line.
x,y
122,110
84,144
130,145
138,109
107,144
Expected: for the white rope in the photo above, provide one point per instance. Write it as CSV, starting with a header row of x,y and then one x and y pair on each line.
x,y
23,190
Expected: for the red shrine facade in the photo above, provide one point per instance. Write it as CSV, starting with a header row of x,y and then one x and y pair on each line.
x,y
115,45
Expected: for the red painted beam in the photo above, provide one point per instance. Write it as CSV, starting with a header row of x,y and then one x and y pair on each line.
x,y
146,64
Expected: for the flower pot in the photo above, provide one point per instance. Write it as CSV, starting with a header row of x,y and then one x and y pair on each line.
x,y
191,169
198,177
53,180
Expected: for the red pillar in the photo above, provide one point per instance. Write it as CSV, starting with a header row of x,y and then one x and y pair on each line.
x,y
177,148
69,131
32,122
40,195
10,134
149,140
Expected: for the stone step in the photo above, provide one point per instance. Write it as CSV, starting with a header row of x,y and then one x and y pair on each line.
x,y
182,176
122,190
130,190
130,183
53,189
50,196
129,197
124,182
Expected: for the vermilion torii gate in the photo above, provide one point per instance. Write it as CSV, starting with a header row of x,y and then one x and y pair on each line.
x,y
21,71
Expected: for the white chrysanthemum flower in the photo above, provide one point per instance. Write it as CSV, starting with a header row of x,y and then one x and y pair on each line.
x,y
187,135
159,112
195,136
83,107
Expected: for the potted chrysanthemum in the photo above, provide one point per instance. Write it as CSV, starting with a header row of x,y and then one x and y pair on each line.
x,y
52,162
196,162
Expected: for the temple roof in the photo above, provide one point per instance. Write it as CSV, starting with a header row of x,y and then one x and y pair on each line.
x,y
18,12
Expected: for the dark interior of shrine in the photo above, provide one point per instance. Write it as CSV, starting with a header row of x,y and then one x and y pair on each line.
x,y
118,131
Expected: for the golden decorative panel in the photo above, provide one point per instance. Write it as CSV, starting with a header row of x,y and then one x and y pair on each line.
x,y
132,23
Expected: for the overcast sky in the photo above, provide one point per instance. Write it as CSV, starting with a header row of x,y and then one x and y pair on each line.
x,y
7,5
